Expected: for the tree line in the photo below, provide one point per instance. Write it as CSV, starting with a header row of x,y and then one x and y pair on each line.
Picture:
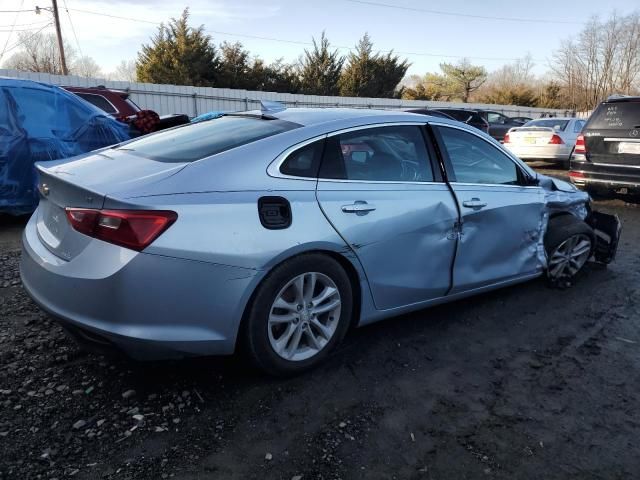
x,y
185,55
604,58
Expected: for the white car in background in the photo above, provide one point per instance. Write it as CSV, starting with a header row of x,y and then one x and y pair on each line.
x,y
545,139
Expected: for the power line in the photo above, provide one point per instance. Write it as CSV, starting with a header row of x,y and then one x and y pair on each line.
x,y
73,28
467,15
297,42
15,19
24,24
16,11
113,16
17,44
19,30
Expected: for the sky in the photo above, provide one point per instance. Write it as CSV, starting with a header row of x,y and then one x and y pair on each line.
x,y
425,32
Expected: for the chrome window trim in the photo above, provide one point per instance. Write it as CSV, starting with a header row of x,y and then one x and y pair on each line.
x,y
467,184
505,152
273,170
377,125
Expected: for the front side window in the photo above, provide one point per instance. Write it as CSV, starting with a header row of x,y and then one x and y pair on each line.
x,y
200,140
392,154
475,160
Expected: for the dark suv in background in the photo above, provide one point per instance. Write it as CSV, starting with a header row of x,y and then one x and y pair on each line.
x,y
470,117
499,124
607,153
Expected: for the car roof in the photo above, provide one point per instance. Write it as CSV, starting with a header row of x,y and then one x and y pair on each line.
x,y
622,98
555,118
315,116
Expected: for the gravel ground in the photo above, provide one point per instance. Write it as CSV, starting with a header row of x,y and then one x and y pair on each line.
x,y
525,382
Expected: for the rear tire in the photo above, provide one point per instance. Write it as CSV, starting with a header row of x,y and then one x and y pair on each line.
x,y
300,312
569,243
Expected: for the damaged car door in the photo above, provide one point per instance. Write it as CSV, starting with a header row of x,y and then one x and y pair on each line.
x,y
501,211
381,190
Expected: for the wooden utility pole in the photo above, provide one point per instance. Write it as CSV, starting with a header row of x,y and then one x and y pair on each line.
x,y
56,19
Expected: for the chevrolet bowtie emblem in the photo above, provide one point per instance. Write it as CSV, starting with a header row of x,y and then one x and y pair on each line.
x,y
44,189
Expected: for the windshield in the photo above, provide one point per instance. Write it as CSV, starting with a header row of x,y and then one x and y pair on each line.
x,y
196,141
616,115
549,123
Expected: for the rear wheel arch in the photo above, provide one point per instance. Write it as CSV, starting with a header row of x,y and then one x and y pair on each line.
x,y
344,262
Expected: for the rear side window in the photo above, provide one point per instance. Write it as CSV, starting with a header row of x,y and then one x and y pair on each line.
x,y
380,154
577,128
199,140
616,116
305,161
99,101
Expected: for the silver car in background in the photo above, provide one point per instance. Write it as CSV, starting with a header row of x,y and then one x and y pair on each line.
x,y
278,230
545,139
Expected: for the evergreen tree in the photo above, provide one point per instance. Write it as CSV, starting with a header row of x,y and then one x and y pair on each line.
x,y
371,75
235,67
465,78
179,55
320,69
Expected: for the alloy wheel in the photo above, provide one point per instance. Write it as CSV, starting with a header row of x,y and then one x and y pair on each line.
x,y
304,316
569,257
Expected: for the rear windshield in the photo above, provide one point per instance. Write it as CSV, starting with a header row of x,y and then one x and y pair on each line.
x,y
616,115
549,123
199,140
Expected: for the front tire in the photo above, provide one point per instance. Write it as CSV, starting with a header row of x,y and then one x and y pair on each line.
x,y
300,312
569,243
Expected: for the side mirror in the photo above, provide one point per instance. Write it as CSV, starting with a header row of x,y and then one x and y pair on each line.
x,y
359,156
531,181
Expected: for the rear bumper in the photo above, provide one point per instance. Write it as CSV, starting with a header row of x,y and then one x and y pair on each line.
x,y
148,306
543,152
584,173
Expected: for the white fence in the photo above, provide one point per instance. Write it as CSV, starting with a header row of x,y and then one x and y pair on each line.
x,y
166,99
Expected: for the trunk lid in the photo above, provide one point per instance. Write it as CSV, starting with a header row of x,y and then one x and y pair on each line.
x,y
85,183
531,135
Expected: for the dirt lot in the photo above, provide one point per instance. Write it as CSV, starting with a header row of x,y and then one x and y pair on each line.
x,y
526,382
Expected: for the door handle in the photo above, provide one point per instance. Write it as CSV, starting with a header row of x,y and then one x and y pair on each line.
x,y
359,207
474,203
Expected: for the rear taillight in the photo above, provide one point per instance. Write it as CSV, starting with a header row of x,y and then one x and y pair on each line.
x,y
556,140
580,147
134,229
506,138
573,174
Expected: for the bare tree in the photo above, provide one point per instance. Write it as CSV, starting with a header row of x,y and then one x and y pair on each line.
x,y
603,59
125,71
39,53
86,67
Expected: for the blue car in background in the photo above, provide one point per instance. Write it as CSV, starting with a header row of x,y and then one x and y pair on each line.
x,y
278,230
40,122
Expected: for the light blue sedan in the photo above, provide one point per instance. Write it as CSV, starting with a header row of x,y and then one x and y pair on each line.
x,y
278,230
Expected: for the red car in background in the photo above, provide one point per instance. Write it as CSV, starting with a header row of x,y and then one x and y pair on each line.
x,y
118,104
114,102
